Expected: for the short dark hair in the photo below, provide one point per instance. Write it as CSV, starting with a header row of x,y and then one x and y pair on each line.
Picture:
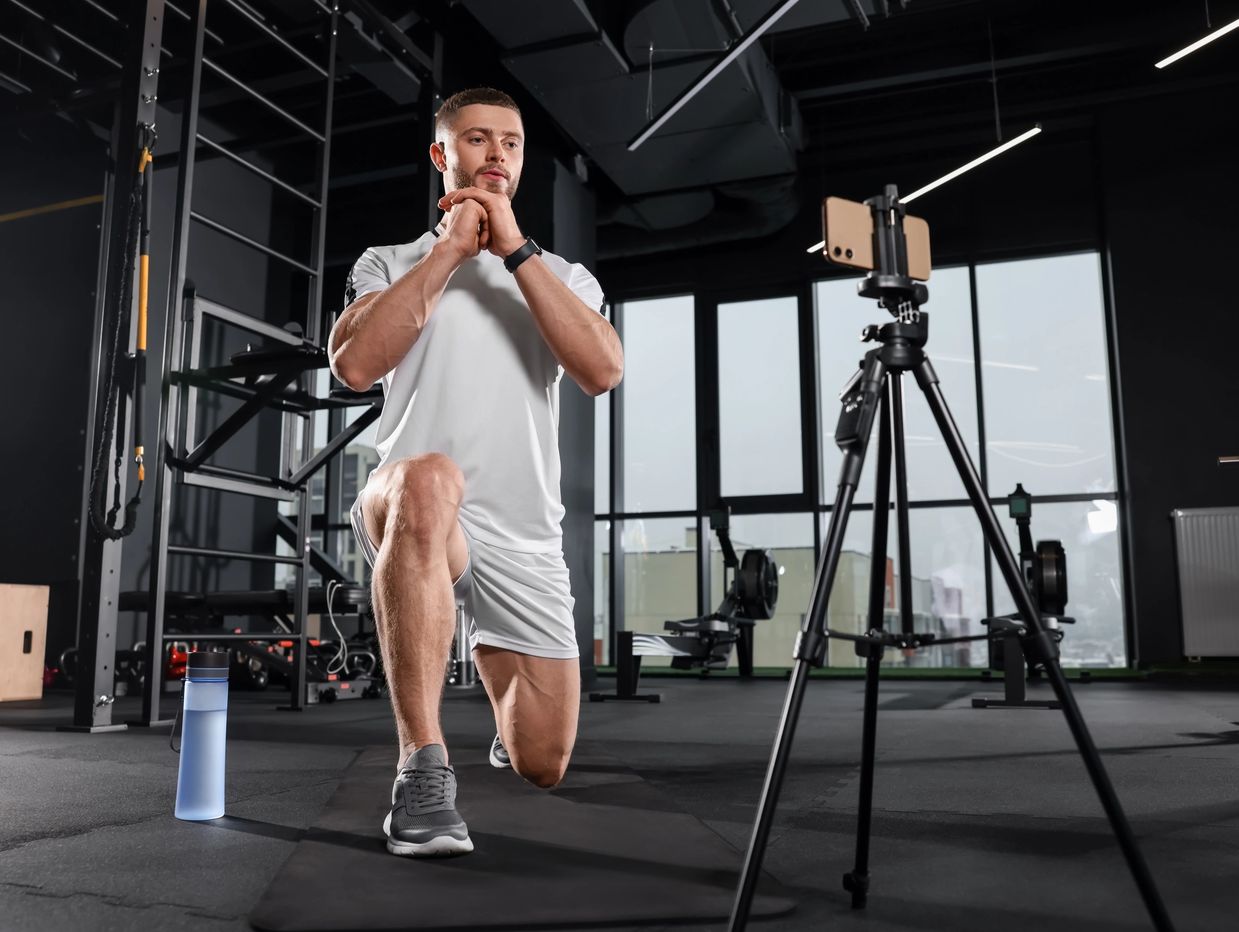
x,y
473,95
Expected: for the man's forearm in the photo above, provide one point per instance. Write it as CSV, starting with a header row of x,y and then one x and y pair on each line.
x,y
583,341
370,339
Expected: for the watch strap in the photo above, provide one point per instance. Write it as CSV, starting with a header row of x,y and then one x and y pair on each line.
x,y
529,249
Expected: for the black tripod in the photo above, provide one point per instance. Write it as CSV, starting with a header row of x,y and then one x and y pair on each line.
x,y
876,389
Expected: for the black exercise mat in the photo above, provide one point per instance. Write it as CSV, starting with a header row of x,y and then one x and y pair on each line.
x,y
604,848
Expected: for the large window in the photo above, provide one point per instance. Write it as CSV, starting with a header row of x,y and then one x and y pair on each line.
x,y
659,405
759,398
660,574
1048,426
1020,352
1089,534
1046,380
789,538
841,315
657,472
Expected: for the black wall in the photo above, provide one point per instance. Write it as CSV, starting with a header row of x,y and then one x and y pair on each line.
x,y
1171,202
49,264
1151,184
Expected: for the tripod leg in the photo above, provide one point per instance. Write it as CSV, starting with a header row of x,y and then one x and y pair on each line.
x,y
857,880
852,435
1041,645
881,516
901,504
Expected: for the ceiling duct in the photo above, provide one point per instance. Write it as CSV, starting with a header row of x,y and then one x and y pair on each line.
x,y
603,86
739,210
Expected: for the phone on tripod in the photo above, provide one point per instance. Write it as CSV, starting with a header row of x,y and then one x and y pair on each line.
x,y
847,230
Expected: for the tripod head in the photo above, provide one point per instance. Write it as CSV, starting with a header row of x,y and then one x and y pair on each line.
x,y
880,237
889,282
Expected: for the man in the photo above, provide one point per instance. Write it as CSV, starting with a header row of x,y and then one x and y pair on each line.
x,y
470,328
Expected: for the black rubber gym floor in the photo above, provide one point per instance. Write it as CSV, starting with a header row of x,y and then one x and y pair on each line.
x,y
604,830
984,819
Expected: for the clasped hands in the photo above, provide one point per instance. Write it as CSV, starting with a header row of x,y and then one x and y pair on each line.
x,y
477,220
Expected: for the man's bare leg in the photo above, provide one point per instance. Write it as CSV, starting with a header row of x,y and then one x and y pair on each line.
x,y
537,701
410,510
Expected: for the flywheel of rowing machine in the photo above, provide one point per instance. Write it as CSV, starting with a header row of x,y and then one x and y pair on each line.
x,y
757,584
1050,579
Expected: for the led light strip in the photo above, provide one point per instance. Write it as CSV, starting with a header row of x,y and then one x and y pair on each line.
x,y
1216,34
956,173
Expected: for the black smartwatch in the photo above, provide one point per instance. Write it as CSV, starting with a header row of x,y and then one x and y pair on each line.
x,y
529,249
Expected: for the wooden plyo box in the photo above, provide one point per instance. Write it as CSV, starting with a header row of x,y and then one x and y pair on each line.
x,y
23,637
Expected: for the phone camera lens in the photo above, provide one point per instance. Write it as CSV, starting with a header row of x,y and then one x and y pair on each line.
x,y
838,252
849,253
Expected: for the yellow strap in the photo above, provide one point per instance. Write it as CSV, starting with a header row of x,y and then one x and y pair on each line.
x,y
144,264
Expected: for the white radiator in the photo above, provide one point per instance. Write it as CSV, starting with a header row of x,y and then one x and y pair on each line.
x,y
1207,557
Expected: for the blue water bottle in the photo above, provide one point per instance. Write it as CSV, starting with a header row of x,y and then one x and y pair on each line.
x,y
200,781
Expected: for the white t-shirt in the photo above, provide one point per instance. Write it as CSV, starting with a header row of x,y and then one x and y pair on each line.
x,y
481,386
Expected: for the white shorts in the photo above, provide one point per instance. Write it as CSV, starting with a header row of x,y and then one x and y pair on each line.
x,y
513,600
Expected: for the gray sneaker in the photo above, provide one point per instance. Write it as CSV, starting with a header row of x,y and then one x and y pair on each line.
x,y
423,821
499,755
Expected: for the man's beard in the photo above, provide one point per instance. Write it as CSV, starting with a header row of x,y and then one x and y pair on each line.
x,y
464,180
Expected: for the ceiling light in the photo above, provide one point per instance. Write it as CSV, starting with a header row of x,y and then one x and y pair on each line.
x,y
956,173
973,164
1216,34
736,51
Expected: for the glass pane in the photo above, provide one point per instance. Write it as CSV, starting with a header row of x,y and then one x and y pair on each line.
x,y
759,398
948,586
602,454
841,315
1089,534
350,557
849,596
789,537
602,592
360,458
660,441
660,575
1044,364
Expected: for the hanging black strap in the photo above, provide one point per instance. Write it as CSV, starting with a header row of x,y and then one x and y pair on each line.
x,y
137,221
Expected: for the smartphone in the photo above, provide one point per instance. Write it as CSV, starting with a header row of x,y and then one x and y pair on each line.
x,y
847,228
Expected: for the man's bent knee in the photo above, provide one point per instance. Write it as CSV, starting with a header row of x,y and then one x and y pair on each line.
x,y
426,490
431,477
545,770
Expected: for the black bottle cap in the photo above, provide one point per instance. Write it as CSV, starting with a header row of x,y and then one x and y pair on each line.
x,y
213,662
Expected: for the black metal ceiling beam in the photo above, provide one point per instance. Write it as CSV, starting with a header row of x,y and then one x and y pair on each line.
x,y
858,13
371,16
933,75
56,27
32,54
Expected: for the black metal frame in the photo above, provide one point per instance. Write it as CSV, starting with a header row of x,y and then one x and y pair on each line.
x,y
100,563
114,100
181,458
